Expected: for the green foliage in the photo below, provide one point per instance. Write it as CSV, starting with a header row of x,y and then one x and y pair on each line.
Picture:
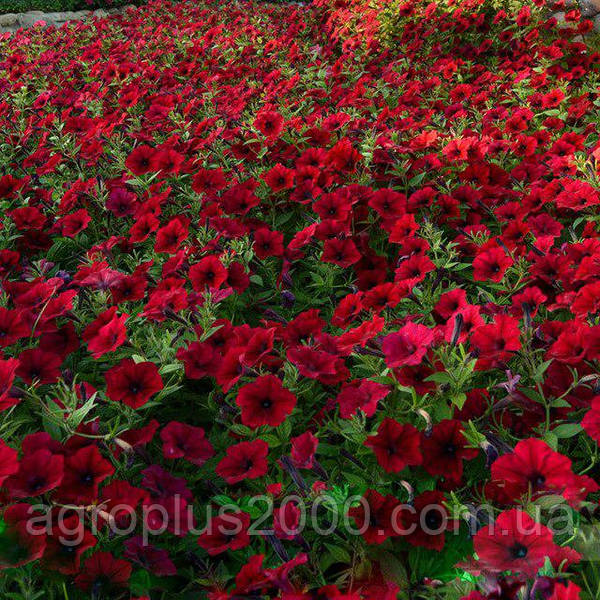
x,y
19,6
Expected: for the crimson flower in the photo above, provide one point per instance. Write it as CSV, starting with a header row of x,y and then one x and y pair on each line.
x,y
376,517
38,473
106,333
304,448
407,346
360,394
8,369
514,542
396,445
133,383
84,471
153,559
9,463
104,573
246,460
66,542
445,449
490,265
181,440
39,365
269,123
141,160
534,466
265,402
426,521
228,531
209,272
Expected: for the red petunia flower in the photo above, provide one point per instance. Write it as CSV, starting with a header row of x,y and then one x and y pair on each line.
x,y
228,531
9,464
534,467
246,460
426,521
376,517
152,559
104,573
445,449
208,272
39,472
185,441
311,362
498,340
269,123
141,160
491,265
68,539
106,333
133,383
514,542
265,402
340,252
84,471
407,346
304,447
396,445
39,365
8,370
360,394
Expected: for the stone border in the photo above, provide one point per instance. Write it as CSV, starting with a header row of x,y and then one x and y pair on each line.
x,y
11,22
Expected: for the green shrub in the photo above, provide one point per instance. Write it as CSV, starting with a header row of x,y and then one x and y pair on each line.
x,y
18,6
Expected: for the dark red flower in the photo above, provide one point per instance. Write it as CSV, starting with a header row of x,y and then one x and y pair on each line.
x,y
265,402
84,471
152,559
396,445
246,460
304,448
141,160
228,531
103,573
269,123
9,464
445,449
533,467
8,370
426,521
209,272
514,542
376,517
185,441
133,383
360,394
67,540
37,365
106,333
38,473
407,346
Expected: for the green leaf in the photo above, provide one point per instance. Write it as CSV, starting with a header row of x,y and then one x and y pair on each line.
x,y
567,430
459,400
140,583
441,377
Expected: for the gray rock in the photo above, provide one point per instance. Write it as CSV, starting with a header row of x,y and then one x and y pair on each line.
x,y
589,8
12,22
29,19
9,20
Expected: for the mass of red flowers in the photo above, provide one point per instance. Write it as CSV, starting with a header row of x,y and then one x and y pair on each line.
x,y
301,302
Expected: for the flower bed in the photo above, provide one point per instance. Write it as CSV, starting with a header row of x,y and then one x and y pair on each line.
x,y
300,302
